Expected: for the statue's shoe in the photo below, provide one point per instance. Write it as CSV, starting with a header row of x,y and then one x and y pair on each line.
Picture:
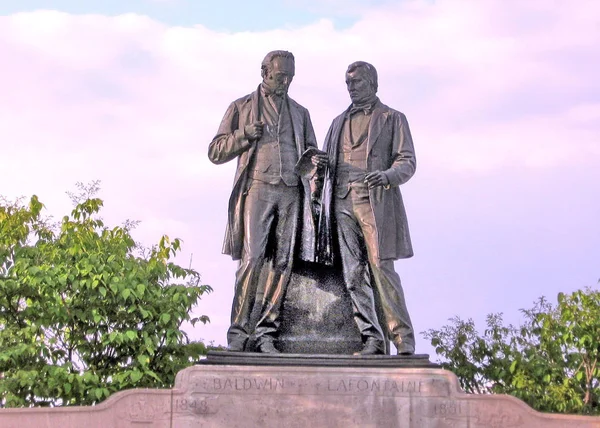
x,y
406,349
267,347
371,347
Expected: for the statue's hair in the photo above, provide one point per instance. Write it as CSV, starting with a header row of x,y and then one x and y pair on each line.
x,y
369,70
266,65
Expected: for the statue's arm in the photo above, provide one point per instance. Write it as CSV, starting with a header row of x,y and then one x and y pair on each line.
x,y
309,133
316,178
230,141
404,162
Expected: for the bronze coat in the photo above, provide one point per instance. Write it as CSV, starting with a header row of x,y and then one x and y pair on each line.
x,y
230,143
389,149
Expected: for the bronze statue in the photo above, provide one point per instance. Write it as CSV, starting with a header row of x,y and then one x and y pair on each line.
x,y
370,152
269,218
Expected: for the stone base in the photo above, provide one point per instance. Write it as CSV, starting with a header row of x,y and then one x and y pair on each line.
x,y
215,396
325,360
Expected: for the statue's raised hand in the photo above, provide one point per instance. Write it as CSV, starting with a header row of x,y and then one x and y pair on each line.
x,y
254,130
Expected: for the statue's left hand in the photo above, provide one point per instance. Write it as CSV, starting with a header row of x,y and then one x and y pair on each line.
x,y
376,179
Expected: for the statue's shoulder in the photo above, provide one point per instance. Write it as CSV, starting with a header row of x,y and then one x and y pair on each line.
x,y
391,111
340,116
295,105
243,100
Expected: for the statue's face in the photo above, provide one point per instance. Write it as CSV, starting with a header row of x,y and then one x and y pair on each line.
x,y
359,87
280,75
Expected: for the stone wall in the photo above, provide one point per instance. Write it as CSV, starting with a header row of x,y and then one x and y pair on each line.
x,y
294,396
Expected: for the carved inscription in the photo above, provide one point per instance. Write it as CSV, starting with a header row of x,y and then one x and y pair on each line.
x,y
338,385
499,418
247,384
145,409
141,410
447,413
374,385
196,405
448,408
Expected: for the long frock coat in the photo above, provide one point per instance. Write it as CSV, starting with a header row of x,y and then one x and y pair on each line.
x,y
230,143
389,149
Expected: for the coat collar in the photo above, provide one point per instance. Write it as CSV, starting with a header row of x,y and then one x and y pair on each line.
x,y
378,119
255,106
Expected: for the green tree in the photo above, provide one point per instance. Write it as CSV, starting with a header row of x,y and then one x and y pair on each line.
x,y
84,311
550,361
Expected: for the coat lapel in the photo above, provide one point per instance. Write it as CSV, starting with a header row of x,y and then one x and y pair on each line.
x,y
255,108
297,125
378,119
334,139
254,117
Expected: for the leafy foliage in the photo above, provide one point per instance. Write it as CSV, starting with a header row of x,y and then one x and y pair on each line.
x,y
550,362
84,312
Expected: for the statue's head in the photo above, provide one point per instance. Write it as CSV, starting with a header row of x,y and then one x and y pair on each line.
x,y
361,81
277,71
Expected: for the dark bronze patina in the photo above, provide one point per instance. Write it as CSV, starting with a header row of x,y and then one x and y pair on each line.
x,y
370,152
296,214
270,221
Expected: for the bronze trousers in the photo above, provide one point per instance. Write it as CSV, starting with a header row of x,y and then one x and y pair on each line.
x,y
373,284
270,225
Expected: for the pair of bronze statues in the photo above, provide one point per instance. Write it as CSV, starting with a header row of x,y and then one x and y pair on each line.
x,y
291,201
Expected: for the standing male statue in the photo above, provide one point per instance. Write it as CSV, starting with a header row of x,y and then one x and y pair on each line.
x,y
269,218
370,152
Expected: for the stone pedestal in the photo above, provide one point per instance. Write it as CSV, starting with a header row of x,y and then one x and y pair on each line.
x,y
317,313
308,394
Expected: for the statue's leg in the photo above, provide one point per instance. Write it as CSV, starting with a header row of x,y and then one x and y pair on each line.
x,y
387,287
393,306
259,214
281,249
353,255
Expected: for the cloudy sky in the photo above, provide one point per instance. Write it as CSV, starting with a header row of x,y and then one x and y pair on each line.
x,y
502,96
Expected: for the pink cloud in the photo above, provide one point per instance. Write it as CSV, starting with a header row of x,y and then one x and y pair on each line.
x,y
134,102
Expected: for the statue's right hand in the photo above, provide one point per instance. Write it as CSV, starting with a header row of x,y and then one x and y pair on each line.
x,y
253,131
319,160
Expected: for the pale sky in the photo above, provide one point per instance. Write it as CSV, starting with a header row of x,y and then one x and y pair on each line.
x,y
502,97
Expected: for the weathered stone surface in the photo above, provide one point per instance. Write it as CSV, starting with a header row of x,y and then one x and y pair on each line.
x,y
139,408
267,396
